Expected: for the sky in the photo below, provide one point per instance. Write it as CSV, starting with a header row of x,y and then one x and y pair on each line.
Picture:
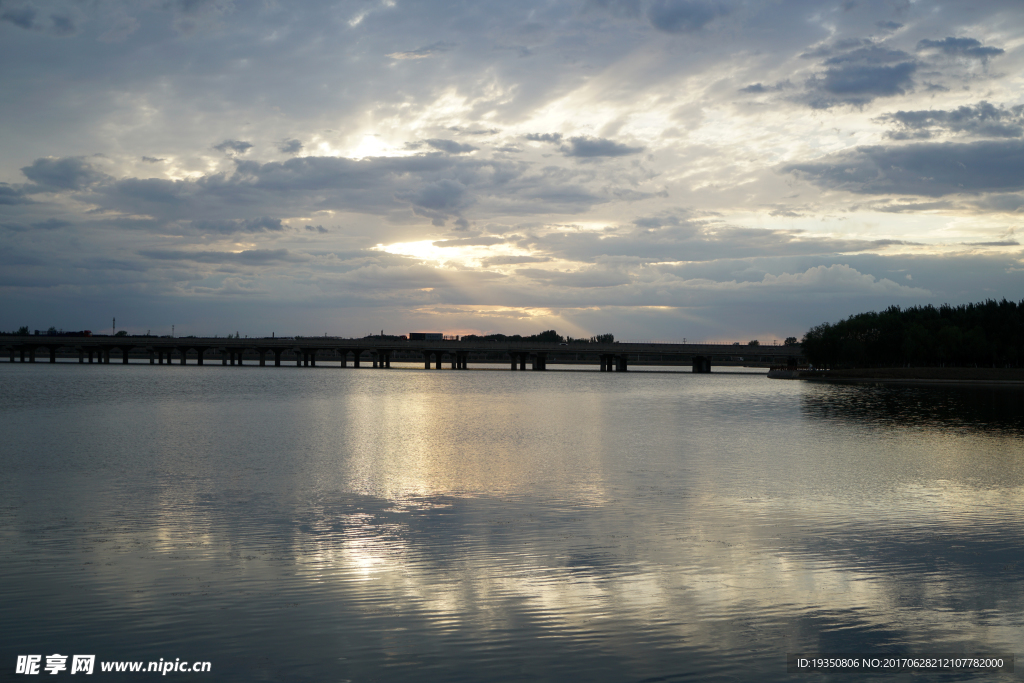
x,y
662,170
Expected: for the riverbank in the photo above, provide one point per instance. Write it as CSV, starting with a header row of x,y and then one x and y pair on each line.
x,y
903,375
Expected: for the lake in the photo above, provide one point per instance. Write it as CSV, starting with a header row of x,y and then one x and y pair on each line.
x,y
326,524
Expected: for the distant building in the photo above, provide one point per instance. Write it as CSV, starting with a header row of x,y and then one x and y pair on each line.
x,y
425,336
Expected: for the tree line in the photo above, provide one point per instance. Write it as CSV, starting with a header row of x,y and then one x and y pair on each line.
x,y
988,334
547,336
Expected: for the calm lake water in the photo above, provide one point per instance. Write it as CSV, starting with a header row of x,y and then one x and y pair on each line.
x,y
320,524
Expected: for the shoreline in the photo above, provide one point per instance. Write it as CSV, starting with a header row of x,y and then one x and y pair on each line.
x,y
957,376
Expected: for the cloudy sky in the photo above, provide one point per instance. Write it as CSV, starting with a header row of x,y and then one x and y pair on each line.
x,y
657,169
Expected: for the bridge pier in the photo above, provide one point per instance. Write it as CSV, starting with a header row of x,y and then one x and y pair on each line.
x,y
277,357
701,364
200,350
355,357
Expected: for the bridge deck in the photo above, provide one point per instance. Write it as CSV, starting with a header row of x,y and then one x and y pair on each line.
x,y
304,350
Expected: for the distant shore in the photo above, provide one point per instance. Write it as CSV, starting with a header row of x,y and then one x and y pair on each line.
x,y
1001,376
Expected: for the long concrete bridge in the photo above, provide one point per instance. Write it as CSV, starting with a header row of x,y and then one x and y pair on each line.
x,y
379,352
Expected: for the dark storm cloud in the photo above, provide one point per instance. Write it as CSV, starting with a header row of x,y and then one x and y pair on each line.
x,y
51,224
228,227
873,54
290,146
444,195
961,47
331,173
11,195
62,25
858,71
423,52
684,16
583,146
983,120
438,201
250,256
21,16
153,160
233,146
859,83
450,146
434,186
317,228
156,195
761,88
931,170
68,173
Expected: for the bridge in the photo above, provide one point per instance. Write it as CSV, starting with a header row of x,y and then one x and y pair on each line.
x,y
379,352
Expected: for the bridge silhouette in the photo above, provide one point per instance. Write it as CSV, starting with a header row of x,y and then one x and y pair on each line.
x,y
379,352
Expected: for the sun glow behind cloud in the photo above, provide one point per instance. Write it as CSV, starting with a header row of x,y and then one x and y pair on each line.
x,y
463,256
